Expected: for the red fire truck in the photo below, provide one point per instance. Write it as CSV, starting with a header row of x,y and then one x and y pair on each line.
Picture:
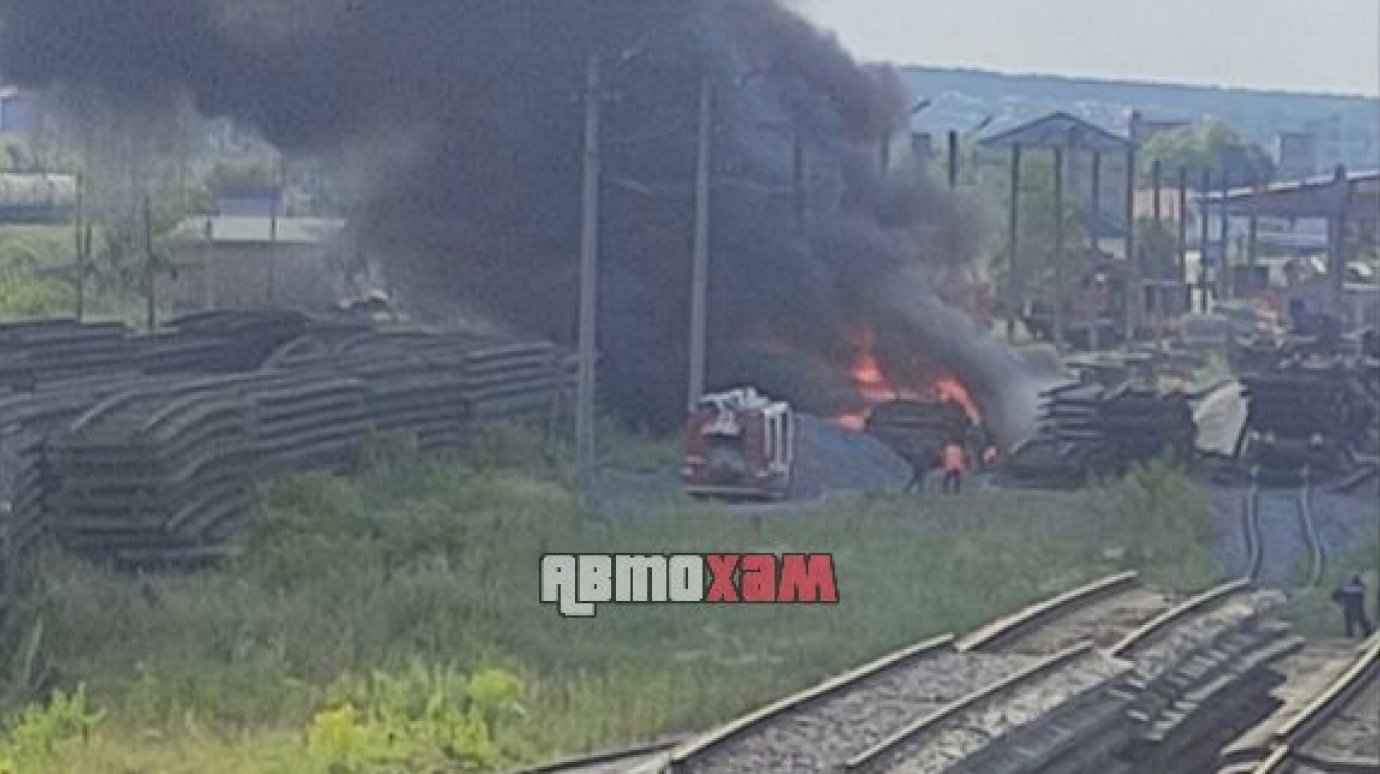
x,y
739,444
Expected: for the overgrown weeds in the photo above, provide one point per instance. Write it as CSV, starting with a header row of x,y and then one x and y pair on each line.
x,y
391,618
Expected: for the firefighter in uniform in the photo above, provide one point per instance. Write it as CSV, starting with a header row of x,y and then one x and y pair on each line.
x,y
953,467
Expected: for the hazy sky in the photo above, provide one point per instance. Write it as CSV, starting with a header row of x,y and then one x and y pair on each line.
x,y
1313,45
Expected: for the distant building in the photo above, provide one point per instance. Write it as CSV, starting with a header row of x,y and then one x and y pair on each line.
x,y
1296,155
922,148
1143,129
36,197
1169,205
1092,154
252,262
1347,139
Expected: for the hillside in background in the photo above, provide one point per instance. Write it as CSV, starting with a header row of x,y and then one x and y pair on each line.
x,y
1347,128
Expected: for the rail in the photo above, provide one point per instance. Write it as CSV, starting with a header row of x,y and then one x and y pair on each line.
x,y
1003,630
1293,736
893,744
1254,534
836,685
1157,625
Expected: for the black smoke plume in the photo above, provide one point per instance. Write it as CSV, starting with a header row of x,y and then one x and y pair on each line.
x,y
475,204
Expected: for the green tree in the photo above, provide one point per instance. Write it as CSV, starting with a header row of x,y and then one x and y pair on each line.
x,y
1036,262
1158,248
25,291
241,175
1212,145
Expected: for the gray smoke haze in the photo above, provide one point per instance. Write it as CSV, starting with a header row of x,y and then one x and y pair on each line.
x,y
482,210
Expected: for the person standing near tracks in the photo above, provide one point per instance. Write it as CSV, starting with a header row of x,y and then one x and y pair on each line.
x,y
953,462
921,463
1352,597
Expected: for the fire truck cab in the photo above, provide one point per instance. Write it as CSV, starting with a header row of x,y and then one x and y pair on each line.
x,y
739,444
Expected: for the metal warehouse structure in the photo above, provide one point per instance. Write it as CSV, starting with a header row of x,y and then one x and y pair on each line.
x,y
1344,201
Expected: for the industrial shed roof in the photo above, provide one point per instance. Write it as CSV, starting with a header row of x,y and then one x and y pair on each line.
x,y
1060,130
1315,197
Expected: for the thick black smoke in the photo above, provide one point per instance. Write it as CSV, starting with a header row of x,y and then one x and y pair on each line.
x,y
473,109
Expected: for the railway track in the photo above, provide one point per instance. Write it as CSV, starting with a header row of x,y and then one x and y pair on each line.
x,y
1254,533
1006,726
1202,676
1101,612
1104,678
825,727
1307,674
1339,731
821,728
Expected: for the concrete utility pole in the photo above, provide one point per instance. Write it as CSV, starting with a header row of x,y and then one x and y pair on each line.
x,y
1181,244
1336,239
1204,237
800,198
1226,288
79,269
1059,246
1093,218
1135,296
699,282
1252,239
150,276
953,159
1013,288
589,280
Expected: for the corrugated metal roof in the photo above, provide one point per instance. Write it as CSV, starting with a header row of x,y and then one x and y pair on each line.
x,y
1060,130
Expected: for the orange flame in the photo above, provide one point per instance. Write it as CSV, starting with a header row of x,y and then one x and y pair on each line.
x,y
875,387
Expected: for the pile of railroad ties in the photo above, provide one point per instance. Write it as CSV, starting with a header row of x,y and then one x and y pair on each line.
x,y
1088,429
142,450
1311,408
918,430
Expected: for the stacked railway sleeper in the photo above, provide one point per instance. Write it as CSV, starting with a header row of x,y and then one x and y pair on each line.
x,y
1092,734
1339,731
918,430
41,352
228,341
152,474
437,386
1315,414
156,468
1087,429
1202,676
26,422
1312,677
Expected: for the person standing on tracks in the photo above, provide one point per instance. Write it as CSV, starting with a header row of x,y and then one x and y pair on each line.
x,y
1352,598
953,460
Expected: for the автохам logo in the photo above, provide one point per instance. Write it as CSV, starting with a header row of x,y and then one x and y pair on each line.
x,y
577,583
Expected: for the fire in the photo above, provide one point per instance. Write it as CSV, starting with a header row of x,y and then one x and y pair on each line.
x,y
875,386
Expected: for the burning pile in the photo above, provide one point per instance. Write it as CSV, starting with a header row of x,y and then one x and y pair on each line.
x,y
460,122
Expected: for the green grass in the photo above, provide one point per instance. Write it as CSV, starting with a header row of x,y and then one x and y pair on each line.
x,y
1313,612
365,610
